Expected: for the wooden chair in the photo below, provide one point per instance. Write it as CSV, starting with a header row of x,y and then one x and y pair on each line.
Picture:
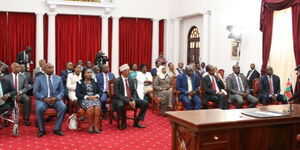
x,y
209,104
177,105
156,101
127,107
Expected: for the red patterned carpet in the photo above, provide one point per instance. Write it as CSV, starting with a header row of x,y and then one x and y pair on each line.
x,y
157,136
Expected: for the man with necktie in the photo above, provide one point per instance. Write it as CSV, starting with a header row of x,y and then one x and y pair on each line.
x,y
214,88
24,57
22,87
102,79
125,94
238,88
251,75
269,88
7,92
49,91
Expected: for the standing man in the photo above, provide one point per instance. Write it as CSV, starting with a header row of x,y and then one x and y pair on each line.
x,y
21,86
187,83
251,75
269,87
238,88
24,57
102,80
214,88
49,91
125,94
100,59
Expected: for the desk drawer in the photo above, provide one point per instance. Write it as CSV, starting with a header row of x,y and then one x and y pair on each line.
x,y
211,138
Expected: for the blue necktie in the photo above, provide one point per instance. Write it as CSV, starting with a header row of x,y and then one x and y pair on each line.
x,y
50,86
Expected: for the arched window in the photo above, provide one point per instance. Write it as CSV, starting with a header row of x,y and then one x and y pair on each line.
x,y
193,45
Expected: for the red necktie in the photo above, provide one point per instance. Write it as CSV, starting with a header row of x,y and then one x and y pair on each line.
x,y
127,89
271,86
16,82
214,84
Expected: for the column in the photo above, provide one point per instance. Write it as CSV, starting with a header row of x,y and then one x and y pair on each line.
x,y
104,38
155,40
115,46
51,39
177,41
39,47
168,41
206,38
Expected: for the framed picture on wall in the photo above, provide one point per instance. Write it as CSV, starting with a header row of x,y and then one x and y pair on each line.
x,y
234,50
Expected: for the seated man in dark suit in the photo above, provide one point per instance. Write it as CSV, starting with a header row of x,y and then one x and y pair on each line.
x,y
238,88
214,88
21,86
65,73
102,80
49,91
125,94
154,70
269,87
187,83
7,92
251,75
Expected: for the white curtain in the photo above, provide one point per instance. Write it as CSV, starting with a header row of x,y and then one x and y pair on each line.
x,y
282,58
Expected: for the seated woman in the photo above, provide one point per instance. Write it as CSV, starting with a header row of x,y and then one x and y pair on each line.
x,y
144,80
87,92
72,80
133,71
163,88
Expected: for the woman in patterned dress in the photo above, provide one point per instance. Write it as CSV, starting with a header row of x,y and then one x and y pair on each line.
x,y
88,93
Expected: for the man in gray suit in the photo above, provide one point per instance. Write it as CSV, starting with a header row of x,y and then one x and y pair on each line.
x,y
49,90
238,88
20,84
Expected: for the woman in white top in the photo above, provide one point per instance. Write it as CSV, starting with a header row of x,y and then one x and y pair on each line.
x,y
72,81
144,80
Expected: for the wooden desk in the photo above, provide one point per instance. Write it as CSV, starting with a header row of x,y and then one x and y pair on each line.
x,y
216,129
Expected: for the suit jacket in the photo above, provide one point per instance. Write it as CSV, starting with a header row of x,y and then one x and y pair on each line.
x,y
64,76
40,89
81,90
28,77
8,88
153,72
264,86
253,76
100,80
119,92
232,84
23,85
207,85
100,59
182,84
21,58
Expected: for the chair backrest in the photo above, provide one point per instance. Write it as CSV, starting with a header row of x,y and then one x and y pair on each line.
x,y
111,88
173,81
221,72
256,87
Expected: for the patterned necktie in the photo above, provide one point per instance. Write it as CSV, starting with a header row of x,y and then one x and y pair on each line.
x,y
50,86
241,88
127,89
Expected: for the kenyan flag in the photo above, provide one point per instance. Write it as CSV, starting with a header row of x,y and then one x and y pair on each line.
x,y
288,94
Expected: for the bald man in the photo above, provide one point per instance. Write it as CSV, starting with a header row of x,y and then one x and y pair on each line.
x,y
187,83
49,91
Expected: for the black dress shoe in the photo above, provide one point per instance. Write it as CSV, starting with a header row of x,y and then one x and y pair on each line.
x,y
6,124
90,131
138,125
41,133
27,123
97,131
58,133
123,126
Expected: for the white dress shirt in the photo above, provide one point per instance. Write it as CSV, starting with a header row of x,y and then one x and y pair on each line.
x,y
14,79
238,79
190,85
216,85
47,78
124,84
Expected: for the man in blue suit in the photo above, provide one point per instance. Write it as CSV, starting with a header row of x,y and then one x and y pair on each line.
x,y
49,91
102,80
187,83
